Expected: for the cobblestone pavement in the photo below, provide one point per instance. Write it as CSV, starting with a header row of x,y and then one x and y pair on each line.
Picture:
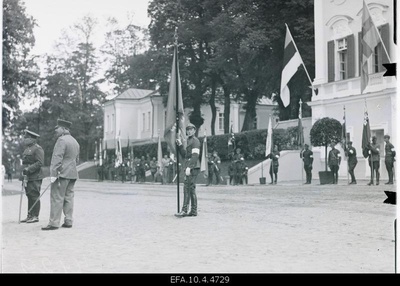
x,y
131,228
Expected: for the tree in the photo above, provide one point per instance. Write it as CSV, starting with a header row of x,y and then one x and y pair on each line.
x,y
19,69
324,132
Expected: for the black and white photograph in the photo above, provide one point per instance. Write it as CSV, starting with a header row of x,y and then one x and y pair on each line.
x,y
199,140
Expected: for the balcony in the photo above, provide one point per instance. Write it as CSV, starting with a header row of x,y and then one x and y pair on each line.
x,y
343,88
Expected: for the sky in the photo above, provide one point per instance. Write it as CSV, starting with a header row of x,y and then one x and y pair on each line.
x,y
53,16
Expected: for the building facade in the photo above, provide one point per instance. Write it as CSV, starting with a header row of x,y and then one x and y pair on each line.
x,y
139,116
338,56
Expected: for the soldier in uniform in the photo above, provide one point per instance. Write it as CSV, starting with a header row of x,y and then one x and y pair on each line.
x,y
32,160
273,170
390,154
164,169
374,158
216,161
244,169
231,172
351,161
308,159
63,170
236,160
192,169
210,170
334,160
153,168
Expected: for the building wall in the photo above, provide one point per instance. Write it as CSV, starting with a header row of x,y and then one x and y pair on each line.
x,y
339,19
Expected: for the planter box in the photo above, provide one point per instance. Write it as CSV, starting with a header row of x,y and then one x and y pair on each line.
x,y
262,180
325,177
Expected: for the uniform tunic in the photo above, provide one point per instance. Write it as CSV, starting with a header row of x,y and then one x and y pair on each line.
x,y
63,165
390,154
191,157
32,159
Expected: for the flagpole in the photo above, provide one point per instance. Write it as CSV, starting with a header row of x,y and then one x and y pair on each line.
x,y
301,117
302,62
177,116
369,141
345,141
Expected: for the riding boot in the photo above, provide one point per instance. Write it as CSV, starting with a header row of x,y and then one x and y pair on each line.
x,y
377,178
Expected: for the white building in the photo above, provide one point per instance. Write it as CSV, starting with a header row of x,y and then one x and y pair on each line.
x,y
337,26
138,115
337,73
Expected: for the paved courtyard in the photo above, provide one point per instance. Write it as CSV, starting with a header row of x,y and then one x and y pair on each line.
x,y
131,228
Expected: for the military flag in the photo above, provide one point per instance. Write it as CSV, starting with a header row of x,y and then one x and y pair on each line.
x,y
231,141
370,38
268,143
204,158
175,121
105,153
291,62
366,133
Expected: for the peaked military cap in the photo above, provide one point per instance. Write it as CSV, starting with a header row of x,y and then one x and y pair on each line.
x,y
31,134
63,123
190,125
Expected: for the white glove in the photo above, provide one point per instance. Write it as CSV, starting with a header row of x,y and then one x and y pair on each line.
x,y
53,179
187,171
178,142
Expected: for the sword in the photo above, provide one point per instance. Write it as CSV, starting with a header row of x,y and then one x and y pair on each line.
x,y
23,185
39,198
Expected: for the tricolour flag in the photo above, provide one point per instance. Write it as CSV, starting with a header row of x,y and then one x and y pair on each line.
x,y
118,152
369,40
175,108
204,158
366,134
291,62
268,143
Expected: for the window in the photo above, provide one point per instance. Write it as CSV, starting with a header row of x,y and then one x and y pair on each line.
x,y
341,59
375,61
343,64
342,52
221,121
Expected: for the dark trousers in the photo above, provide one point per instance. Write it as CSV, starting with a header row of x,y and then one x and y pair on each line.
x,y
351,171
335,172
308,170
375,167
189,192
389,168
32,190
273,170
